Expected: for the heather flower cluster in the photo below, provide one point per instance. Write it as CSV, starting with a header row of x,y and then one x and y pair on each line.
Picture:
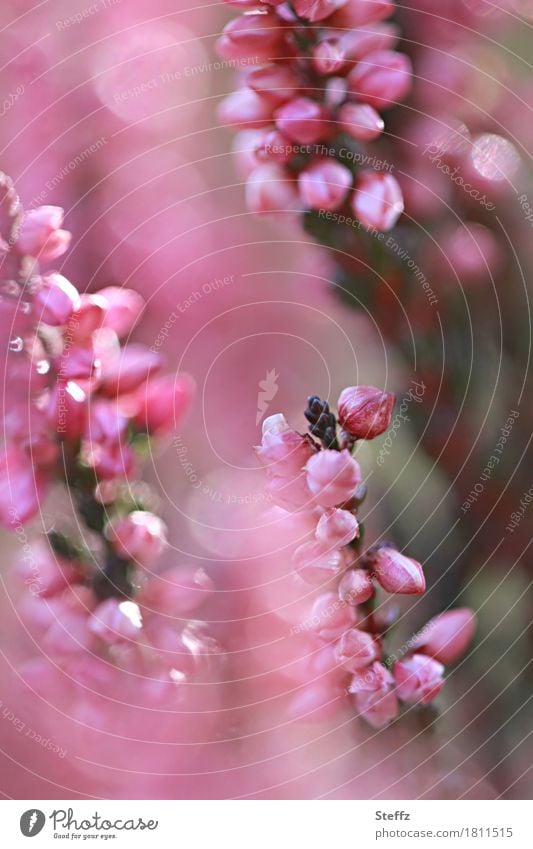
x,y
318,475
330,71
83,407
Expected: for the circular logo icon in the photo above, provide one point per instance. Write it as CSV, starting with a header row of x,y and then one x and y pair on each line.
x,y
32,822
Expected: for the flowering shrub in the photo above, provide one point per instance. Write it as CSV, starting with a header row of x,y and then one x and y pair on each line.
x,y
320,477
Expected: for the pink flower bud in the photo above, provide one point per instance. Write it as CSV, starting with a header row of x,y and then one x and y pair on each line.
x,y
245,108
358,13
418,679
381,79
128,369
447,636
361,121
180,590
328,57
270,189
333,477
356,649
44,573
122,309
364,411
317,10
316,565
88,318
105,423
109,459
139,536
66,410
356,587
377,200
115,620
397,573
69,634
372,679
283,451
246,146
275,83
291,493
274,147
324,185
22,488
40,234
55,300
28,428
358,42
336,528
303,120
161,405
378,709
79,364
255,35
329,617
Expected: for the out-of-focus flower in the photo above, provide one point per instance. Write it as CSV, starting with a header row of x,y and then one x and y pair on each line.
x,y
447,636
418,679
140,536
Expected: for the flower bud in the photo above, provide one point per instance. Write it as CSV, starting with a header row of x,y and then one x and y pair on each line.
x,y
122,309
358,13
328,57
447,636
55,300
244,108
333,477
114,621
128,369
40,235
317,10
324,185
273,147
377,200
361,121
381,79
378,708
162,403
275,83
255,35
330,618
364,411
87,319
303,120
316,565
397,573
22,488
177,591
356,649
336,528
270,189
356,587
283,451
359,42
372,679
139,536
66,409
418,679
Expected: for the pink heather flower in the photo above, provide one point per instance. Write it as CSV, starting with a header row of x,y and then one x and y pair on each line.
x,y
270,189
361,121
66,410
375,678
329,617
69,633
40,233
115,620
381,79
359,42
45,573
283,451
79,364
302,120
55,300
126,371
22,488
105,423
333,477
447,636
161,405
357,13
317,10
397,573
377,200
356,649
122,308
244,108
317,565
27,427
88,318
364,411
109,460
256,35
275,83
180,590
378,709
418,679
329,56
356,587
273,147
139,536
336,528
324,184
